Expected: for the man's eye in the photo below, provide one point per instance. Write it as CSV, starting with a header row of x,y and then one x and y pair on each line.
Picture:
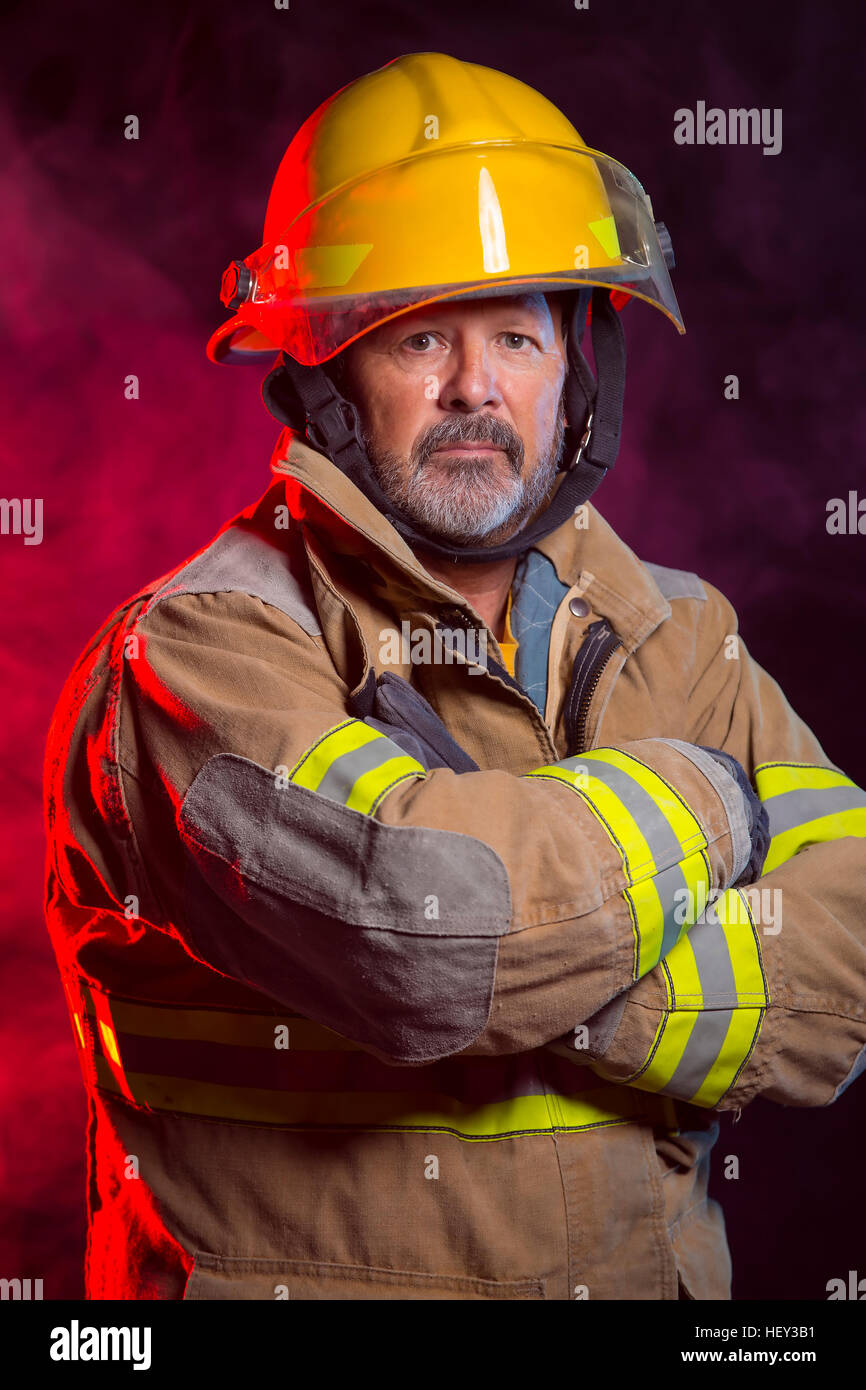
x,y
522,338
420,340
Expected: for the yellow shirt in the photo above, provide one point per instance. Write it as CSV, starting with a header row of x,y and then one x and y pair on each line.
x,y
508,644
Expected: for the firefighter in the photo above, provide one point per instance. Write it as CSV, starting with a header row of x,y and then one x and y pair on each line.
x,y
400,965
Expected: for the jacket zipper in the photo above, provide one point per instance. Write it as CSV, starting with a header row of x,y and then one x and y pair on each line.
x,y
456,615
497,672
598,647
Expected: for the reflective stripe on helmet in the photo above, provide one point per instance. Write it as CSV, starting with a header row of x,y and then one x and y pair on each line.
x,y
807,805
288,1072
355,765
659,838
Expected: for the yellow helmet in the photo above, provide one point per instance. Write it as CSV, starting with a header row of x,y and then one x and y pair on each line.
x,y
424,180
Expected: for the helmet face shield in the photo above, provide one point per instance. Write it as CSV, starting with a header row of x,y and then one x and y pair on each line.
x,y
492,217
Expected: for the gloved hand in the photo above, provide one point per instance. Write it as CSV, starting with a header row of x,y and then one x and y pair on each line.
x,y
399,711
759,820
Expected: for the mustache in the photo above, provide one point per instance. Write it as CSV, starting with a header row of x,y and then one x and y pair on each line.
x,y
470,429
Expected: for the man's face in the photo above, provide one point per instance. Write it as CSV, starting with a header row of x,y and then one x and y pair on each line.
x,y
462,411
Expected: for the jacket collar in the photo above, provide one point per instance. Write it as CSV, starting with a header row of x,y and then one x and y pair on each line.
x,y
594,559
616,583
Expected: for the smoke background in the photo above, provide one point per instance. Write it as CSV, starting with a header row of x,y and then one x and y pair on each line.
x,y
112,253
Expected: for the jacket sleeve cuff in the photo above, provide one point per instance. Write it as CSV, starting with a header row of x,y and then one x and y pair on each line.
x,y
731,798
689,1028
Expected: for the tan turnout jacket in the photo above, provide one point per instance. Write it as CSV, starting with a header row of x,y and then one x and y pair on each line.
x,y
389,983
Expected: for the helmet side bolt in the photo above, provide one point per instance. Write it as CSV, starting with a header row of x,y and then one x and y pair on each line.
x,y
237,282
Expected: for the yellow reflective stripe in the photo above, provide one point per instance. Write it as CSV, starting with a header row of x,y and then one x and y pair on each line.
x,y
343,738
740,1039
716,999
109,1042
659,839
682,820
773,779
76,1007
370,789
613,814
545,1112
355,765
97,1008
360,1110
682,981
669,1045
732,918
734,913
807,805
783,847
607,1107
652,915
672,1039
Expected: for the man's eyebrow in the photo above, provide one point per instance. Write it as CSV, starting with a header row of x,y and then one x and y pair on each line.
x,y
533,311
512,311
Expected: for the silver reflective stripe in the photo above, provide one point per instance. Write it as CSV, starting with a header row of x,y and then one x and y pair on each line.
x,y
664,845
718,986
790,809
713,959
342,775
668,883
702,1049
654,826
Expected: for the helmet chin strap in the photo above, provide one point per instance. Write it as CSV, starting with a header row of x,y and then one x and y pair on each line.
x,y
306,399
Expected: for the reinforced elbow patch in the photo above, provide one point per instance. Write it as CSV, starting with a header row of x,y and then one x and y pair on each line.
x,y
386,934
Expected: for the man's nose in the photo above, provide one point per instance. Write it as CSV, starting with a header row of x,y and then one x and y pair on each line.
x,y
469,381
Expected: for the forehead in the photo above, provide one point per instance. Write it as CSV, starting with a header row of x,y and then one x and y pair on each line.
x,y
537,308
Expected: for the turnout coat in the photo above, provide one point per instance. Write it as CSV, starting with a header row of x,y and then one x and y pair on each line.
x,y
394,976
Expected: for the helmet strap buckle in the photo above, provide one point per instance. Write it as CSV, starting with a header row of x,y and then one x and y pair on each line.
x,y
333,425
331,422
584,442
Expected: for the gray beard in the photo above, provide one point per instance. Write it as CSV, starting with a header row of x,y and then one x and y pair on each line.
x,y
466,500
